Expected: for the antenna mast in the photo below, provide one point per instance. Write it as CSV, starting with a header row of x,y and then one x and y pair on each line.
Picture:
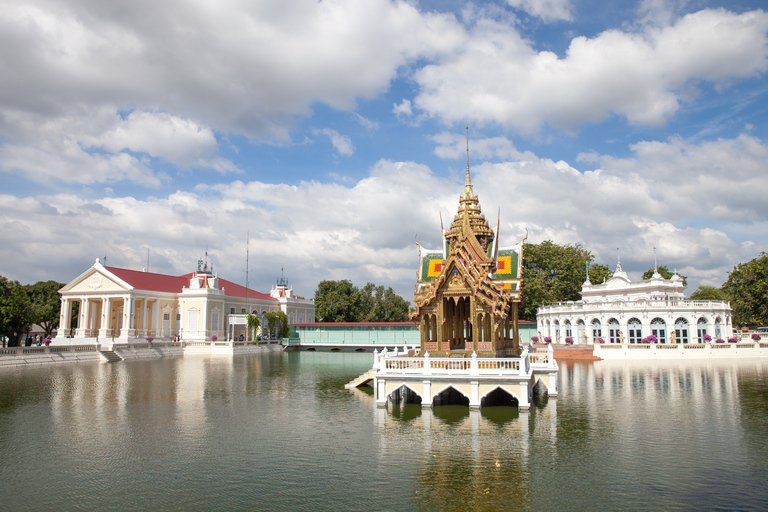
x,y
247,243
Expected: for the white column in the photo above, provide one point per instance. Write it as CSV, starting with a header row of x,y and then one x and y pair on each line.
x,y
85,314
156,326
63,329
144,319
106,316
128,322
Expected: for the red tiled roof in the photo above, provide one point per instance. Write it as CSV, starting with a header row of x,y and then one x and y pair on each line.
x,y
149,281
172,284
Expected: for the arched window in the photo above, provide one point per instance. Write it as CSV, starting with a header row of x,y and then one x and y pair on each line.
x,y
613,331
718,323
635,329
681,330
580,330
659,329
701,328
557,331
597,332
568,332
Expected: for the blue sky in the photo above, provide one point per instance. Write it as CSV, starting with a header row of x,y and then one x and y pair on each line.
x,y
331,133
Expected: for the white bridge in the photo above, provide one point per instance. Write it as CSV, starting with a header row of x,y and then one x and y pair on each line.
x,y
478,381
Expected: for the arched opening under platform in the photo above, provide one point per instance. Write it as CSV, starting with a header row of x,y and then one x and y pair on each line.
x,y
450,396
499,397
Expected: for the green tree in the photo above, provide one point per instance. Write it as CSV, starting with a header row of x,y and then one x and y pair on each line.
x,y
341,301
377,304
15,311
253,324
45,305
747,288
277,322
555,273
665,273
705,292
336,301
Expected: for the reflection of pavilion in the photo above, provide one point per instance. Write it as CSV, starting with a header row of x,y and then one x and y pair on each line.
x,y
467,459
466,302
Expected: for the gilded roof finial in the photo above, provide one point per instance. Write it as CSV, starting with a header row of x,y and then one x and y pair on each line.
x,y
468,183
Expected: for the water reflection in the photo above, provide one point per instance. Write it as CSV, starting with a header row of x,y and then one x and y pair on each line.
x,y
280,432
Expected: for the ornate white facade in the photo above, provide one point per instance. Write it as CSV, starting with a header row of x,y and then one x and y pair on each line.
x,y
622,311
123,304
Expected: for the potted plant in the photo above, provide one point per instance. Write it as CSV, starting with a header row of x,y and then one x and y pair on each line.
x,y
214,338
719,340
733,340
755,337
568,340
600,340
707,338
547,339
535,339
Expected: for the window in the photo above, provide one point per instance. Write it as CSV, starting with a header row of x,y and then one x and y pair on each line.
x,y
635,330
166,316
232,310
718,334
242,310
613,331
681,330
701,329
580,329
597,332
178,317
659,329
568,332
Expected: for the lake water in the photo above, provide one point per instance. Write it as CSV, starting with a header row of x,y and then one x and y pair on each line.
x,y
280,432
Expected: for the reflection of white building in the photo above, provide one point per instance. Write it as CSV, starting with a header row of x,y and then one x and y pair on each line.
x,y
122,304
622,311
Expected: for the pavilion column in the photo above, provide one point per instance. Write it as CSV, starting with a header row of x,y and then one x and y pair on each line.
x,y
144,319
128,323
85,312
106,317
64,318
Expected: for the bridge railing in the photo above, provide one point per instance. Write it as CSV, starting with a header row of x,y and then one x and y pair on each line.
x,y
395,363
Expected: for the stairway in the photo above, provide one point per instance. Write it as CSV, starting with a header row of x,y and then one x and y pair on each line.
x,y
110,356
359,381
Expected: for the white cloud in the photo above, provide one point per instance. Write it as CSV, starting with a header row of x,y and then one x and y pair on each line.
x,y
233,66
403,109
341,143
548,10
498,77
453,145
365,231
101,147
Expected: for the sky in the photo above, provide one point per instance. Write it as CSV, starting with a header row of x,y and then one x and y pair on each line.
x,y
321,139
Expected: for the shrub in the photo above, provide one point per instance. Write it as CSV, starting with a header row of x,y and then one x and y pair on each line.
x,y
214,338
707,338
719,340
733,340
569,340
547,339
535,339
756,337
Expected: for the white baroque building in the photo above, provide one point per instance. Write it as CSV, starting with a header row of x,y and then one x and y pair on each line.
x,y
623,311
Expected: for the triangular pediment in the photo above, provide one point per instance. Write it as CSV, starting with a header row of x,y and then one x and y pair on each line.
x,y
96,278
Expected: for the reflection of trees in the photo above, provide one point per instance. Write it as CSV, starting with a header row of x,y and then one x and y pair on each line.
x,y
753,410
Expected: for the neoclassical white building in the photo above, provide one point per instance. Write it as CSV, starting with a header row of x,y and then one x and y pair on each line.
x,y
623,311
124,304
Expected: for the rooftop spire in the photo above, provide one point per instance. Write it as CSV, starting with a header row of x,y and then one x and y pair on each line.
x,y
468,182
